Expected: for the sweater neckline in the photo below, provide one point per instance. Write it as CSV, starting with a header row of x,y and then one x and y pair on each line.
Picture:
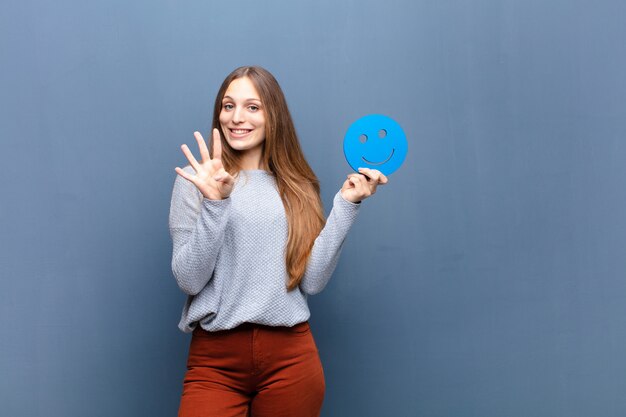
x,y
255,172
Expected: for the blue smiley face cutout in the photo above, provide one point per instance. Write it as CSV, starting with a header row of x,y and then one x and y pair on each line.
x,y
376,142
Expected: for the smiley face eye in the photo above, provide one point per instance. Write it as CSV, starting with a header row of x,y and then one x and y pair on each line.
x,y
363,138
382,133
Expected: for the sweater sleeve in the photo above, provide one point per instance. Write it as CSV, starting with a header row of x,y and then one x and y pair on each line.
x,y
197,227
327,246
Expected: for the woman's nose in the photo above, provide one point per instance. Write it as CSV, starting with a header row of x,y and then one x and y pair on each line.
x,y
237,115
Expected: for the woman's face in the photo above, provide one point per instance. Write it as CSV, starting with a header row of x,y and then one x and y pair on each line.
x,y
242,116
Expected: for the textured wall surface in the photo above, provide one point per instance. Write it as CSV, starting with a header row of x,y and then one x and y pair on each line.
x,y
486,280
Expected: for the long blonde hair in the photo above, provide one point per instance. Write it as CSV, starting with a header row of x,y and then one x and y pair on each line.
x,y
297,184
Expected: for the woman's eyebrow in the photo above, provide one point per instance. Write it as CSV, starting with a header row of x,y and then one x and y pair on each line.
x,y
248,99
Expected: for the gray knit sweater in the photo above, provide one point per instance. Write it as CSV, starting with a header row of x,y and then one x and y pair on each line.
x,y
229,255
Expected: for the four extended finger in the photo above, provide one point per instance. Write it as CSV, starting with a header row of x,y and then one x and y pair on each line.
x,y
204,151
190,158
217,144
184,174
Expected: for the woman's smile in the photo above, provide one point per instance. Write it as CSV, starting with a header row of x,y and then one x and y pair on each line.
x,y
239,133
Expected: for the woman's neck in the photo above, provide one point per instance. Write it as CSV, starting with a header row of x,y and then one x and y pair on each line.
x,y
251,160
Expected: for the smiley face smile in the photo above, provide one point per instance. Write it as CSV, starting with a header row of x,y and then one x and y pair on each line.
x,y
379,163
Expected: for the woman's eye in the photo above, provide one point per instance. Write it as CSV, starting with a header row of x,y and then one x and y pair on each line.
x,y
253,108
228,106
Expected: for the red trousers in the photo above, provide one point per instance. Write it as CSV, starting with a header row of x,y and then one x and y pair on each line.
x,y
253,371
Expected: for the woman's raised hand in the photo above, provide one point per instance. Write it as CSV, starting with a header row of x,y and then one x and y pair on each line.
x,y
211,179
360,186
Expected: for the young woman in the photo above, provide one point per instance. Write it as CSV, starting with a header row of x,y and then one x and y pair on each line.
x,y
250,243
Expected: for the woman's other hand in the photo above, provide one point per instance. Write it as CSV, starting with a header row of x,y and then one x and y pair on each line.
x,y
210,178
358,187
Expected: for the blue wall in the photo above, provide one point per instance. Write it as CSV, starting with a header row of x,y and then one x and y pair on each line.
x,y
487,279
